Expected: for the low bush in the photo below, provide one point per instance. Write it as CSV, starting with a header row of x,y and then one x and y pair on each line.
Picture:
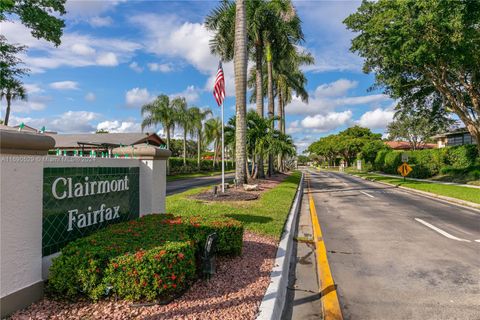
x,y
150,250
430,162
379,162
393,160
462,156
191,166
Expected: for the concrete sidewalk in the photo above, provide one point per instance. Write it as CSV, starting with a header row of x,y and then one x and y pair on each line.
x,y
303,297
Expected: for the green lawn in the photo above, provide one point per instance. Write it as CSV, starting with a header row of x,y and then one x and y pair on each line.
x,y
463,193
195,175
265,216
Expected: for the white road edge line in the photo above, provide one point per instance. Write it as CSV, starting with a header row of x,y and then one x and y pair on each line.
x,y
446,234
367,194
477,240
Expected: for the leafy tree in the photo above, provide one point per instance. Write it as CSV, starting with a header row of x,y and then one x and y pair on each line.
x,y
418,127
41,17
11,89
371,148
100,131
423,49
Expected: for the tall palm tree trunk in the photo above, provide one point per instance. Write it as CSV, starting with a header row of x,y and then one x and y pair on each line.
x,y
259,100
199,147
240,63
281,114
168,148
271,105
7,112
184,147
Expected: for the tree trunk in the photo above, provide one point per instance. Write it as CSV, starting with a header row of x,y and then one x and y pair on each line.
x,y
168,148
184,147
199,148
281,114
271,105
7,112
240,64
259,100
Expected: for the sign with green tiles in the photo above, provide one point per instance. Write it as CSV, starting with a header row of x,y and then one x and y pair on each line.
x,y
79,201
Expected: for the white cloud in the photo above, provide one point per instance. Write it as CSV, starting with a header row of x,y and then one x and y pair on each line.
x,y
119,126
332,44
76,49
82,49
135,67
330,96
68,122
336,88
376,119
160,67
64,85
107,59
98,21
33,103
168,36
136,97
90,97
191,94
324,123
32,88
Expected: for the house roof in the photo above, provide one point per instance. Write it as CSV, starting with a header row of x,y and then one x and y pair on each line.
x,y
110,139
450,133
404,145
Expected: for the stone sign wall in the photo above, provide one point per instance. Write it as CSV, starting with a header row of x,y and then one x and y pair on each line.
x,y
79,201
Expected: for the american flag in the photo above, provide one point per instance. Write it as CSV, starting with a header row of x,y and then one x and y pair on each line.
x,y
219,86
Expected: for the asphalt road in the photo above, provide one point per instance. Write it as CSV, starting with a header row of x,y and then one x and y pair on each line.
x,y
178,186
395,255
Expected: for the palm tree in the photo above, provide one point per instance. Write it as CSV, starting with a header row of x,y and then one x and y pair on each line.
x,y
222,21
240,64
184,119
12,89
199,117
159,111
213,133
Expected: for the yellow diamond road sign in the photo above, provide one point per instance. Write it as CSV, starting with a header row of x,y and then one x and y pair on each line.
x,y
404,169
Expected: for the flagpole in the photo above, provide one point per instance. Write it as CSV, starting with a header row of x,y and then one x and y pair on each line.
x,y
223,157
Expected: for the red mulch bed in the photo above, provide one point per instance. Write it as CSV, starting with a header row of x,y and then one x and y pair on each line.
x,y
238,194
235,292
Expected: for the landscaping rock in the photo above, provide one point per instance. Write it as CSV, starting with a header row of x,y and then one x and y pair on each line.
x,y
250,187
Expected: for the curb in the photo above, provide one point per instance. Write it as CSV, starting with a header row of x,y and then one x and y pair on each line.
x,y
273,301
429,181
458,202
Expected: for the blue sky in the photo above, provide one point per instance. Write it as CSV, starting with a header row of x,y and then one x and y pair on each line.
x,y
117,55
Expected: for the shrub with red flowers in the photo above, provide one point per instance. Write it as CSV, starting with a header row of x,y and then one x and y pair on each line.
x,y
147,258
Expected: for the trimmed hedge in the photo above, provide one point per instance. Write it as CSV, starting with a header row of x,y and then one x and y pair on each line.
x,y
177,167
430,162
131,259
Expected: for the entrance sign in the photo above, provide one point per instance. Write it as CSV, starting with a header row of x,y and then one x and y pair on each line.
x,y
404,169
79,201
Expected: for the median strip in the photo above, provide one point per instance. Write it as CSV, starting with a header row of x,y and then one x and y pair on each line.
x,y
328,289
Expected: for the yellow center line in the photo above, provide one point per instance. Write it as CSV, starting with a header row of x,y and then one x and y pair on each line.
x,y
328,290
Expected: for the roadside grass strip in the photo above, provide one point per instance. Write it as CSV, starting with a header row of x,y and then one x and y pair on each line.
x,y
182,176
458,192
265,216
328,289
